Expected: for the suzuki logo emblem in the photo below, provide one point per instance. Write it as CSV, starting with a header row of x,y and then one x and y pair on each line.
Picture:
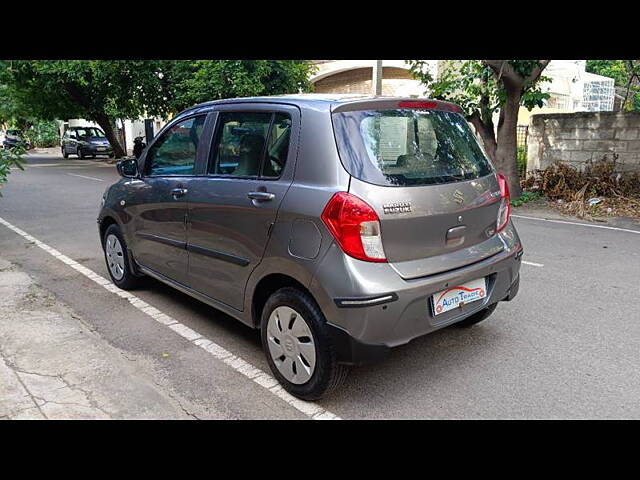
x,y
458,196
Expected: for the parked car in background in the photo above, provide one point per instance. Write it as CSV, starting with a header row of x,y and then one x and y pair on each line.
x,y
13,138
338,226
85,142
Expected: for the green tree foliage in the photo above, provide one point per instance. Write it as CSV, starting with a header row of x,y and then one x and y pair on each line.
x,y
485,87
626,74
10,158
43,133
106,90
193,82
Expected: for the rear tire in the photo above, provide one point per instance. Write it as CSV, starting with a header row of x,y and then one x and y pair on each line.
x,y
115,255
64,153
477,317
294,334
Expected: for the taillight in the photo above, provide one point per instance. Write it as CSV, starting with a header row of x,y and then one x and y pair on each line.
x,y
505,203
355,226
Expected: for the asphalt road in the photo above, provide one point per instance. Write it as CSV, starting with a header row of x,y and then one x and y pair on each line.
x,y
566,347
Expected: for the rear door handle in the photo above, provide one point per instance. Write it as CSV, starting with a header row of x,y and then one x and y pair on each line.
x,y
179,192
261,196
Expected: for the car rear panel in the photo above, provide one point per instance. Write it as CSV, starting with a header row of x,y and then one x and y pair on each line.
x,y
417,239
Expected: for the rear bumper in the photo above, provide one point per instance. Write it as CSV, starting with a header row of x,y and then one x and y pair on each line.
x,y
407,312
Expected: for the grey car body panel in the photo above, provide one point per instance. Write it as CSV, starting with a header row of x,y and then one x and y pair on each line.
x,y
289,238
230,230
415,242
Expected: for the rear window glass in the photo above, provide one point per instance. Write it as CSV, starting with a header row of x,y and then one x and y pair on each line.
x,y
408,147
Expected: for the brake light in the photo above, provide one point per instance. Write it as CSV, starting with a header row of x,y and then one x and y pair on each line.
x,y
416,104
355,226
505,203
430,104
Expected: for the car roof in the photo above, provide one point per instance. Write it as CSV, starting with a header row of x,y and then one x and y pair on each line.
x,y
322,101
296,98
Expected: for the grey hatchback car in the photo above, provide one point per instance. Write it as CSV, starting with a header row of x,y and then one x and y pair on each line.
x,y
340,226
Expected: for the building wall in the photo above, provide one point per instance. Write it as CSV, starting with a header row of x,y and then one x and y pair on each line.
x,y
576,138
395,82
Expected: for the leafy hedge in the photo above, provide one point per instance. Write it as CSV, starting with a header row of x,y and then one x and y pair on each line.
x,y
44,134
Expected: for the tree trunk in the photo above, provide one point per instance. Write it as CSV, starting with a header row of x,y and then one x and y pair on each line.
x,y
105,123
124,137
506,151
486,133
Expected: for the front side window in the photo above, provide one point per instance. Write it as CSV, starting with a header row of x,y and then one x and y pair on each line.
x,y
175,152
408,147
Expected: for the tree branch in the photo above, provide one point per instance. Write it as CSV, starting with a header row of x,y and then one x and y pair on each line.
x,y
503,70
537,71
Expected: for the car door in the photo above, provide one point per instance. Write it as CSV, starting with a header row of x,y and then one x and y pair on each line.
x,y
64,140
233,207
160,199
70,145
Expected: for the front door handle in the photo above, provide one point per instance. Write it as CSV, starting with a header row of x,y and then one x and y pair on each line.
x,y
261,196
178,192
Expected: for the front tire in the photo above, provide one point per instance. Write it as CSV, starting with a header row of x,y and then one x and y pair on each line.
x,y
64,153
115,254
80,153
297,345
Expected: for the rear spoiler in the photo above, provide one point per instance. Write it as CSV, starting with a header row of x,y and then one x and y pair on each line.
x,y
395,103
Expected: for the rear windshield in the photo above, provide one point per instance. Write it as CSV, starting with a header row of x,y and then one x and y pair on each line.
x,y
408,147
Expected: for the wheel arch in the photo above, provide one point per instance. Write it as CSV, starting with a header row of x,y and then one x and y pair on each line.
x,y
111,219
105,223
266,287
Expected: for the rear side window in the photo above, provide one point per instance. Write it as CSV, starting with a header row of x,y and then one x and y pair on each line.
x,y
404,147
250,144
277,146
174,153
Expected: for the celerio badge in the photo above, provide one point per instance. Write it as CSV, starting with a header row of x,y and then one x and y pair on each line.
x,y
397,207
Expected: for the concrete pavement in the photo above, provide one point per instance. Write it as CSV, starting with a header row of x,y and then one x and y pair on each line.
x,y
566,347
53,366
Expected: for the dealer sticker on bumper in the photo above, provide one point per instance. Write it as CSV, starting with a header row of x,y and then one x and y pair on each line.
x,y
459,295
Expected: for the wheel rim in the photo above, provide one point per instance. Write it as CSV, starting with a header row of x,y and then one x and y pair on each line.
x,y
115,257
291,345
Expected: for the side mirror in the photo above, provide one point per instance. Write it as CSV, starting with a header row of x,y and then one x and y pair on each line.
x,y
128,168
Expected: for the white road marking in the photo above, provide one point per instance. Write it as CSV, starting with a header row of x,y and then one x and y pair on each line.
x,y
263,379
579,224
533,264
85,164
84,176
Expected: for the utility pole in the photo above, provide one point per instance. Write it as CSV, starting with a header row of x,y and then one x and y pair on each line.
x,y
376,79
